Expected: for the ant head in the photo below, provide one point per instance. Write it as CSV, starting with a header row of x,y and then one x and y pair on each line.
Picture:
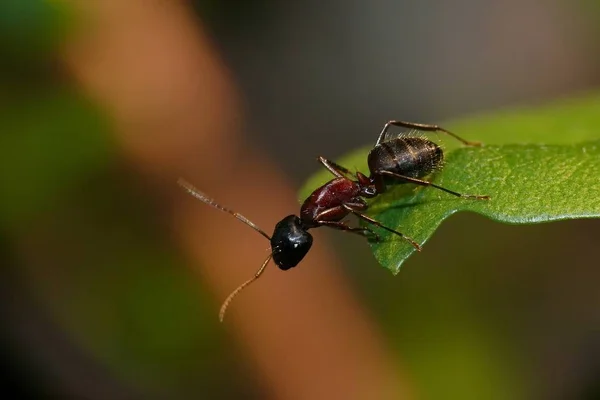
x,y
290,242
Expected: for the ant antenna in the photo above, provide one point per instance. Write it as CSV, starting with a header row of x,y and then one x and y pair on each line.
x,y
207,200
241,287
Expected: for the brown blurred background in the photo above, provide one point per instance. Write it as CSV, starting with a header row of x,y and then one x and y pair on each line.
x,y
112,276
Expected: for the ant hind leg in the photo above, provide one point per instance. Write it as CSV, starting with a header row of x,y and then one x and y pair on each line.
x,y
427,183
421,127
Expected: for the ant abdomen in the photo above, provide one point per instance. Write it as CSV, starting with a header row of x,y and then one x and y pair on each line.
x,y
413,157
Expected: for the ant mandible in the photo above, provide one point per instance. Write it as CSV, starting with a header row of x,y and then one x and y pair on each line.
x,y
405,159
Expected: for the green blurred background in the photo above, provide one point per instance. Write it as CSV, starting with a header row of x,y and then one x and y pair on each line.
x,y
98,303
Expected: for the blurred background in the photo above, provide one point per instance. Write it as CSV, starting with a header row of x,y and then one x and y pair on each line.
x,y
112,277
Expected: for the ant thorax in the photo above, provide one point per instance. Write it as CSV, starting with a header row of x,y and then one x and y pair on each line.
x,y
326,202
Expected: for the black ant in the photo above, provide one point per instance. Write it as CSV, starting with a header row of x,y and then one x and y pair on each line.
x,y
405,159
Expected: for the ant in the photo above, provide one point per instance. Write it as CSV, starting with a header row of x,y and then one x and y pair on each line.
x,y
404,159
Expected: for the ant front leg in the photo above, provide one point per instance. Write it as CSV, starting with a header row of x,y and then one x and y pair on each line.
x,y
365,232
332,216
336,169
349,207
427,183
421,127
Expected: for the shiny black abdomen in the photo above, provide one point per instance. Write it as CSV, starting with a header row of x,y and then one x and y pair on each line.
x,y
414,157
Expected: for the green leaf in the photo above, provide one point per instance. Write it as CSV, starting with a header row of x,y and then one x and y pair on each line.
x,y
552,174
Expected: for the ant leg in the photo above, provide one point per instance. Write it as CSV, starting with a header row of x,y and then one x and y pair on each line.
x,y
379,224
336,169
365,232
422,127
426,183
332,216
